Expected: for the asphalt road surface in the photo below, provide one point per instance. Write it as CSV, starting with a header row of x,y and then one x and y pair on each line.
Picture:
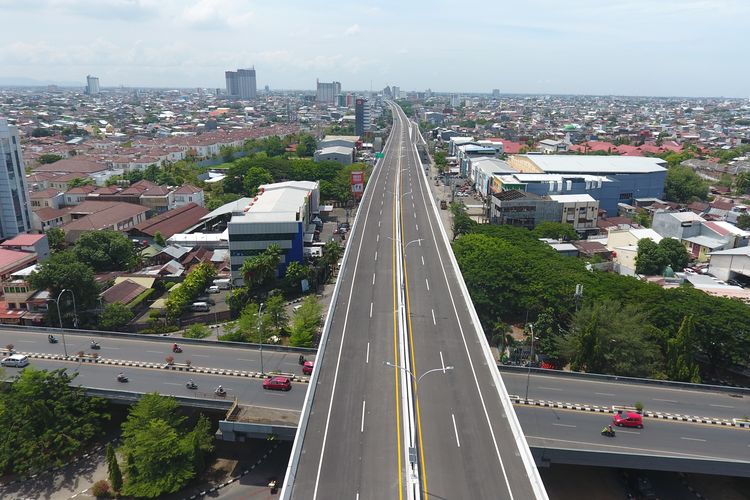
x,y
354,445
546,427
657,398
155,350
249,391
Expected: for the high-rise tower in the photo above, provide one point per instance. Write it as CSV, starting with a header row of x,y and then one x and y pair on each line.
x,y
15,215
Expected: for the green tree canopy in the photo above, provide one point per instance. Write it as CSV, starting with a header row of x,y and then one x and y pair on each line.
x,y
255,177
162,454
555,230
63,270
48,158
462,223
607,337
306,145
249,327
683,185
115,317
276,310
681,350
743,221
261,269
305,323
56,238
653,258
105,251
44,421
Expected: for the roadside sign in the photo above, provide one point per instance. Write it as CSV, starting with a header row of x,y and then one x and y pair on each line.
x,y
379,155
358,183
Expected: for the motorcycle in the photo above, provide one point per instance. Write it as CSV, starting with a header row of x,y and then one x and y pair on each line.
x,y
220,392
95,345
301,359
176,348
608,432
191,385
122,378
52,339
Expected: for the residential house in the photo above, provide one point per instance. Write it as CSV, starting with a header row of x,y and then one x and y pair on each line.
x,y
21,303
168,223
186,194
623,243
44,198
31,243
12,261
579,210
102,215
46,218
77,195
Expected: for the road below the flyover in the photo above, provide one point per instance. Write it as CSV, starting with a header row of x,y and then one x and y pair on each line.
x,y
656,398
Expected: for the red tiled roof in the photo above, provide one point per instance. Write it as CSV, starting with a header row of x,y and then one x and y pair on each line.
x,y
11,257
23,240
44,193
77,165
187,189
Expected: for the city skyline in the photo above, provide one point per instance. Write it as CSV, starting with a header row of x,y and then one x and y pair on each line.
x,y
637,48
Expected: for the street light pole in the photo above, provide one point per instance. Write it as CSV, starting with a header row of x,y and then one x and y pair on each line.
x,y
260,335
528,373
59,316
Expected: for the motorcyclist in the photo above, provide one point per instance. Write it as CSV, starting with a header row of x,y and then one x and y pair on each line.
x,y
301,359
94,343
121,376
191,383
220,390
608,430
174,347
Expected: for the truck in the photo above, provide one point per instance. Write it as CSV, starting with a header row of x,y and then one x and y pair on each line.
x,y
223,284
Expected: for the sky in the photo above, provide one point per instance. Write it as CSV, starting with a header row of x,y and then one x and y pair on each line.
x,y
623,47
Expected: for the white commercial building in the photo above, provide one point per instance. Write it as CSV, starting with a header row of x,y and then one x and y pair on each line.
x,y
280,214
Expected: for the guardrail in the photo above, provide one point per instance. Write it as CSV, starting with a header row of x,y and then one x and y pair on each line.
x,y
287,488
630,380
133,396
160,338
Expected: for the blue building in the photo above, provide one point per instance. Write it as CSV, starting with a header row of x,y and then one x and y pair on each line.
x,y
608,179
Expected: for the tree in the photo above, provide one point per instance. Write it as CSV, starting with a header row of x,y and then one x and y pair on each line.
x,y
555,230
56,238
113,468
161,454
48,158
276,310
260,269
684,185
675,253
63,270
612,338
78,182
743,221
295,273
159,239
249,327
254,177
462,223
197,331
307,145
105,251
681,349
651,259
305,323
44,420
115,317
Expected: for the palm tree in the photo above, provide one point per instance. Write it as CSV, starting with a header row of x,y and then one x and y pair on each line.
x,y
501,337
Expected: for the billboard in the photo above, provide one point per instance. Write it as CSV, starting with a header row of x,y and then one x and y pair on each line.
x,y
358,183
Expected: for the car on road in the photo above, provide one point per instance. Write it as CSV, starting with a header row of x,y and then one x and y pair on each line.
x,y
16,360
628,419
213,289
277,384
307,367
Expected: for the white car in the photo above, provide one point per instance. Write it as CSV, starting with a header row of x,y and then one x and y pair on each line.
x,y
16,360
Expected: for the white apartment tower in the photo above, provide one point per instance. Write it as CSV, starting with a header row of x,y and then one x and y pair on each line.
x,y
15,215
241,84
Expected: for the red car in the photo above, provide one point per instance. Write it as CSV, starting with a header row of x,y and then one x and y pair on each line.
x,y
307,368
628,419
277,384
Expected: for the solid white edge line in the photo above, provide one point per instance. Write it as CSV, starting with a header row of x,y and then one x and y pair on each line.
x,y
287,488
528,460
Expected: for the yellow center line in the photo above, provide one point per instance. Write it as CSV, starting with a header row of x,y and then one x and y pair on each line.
x,y
413,363
395,338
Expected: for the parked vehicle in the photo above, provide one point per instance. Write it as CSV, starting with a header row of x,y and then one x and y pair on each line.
x,y
16,361
199,306
277,384
213,289
222,283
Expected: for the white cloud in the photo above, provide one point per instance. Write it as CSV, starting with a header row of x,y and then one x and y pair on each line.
x,y
352,30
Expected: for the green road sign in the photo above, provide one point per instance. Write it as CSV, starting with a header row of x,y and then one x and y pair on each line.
x,y
379,155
